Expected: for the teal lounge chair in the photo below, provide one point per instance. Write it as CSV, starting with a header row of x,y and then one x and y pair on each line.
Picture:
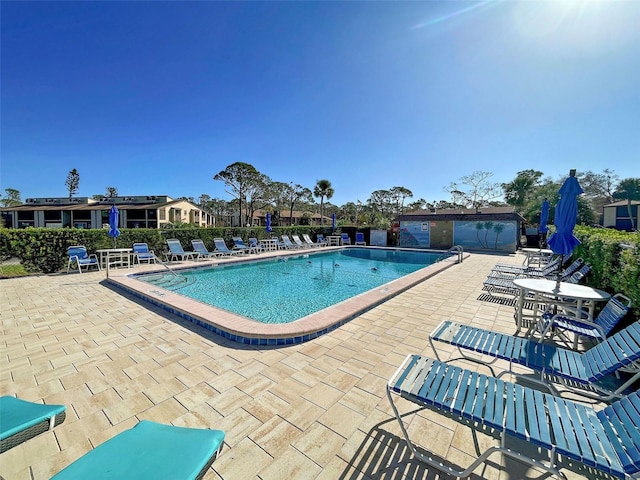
x,y
592,373
607,440
199,247
149,451
79,257
21,420
176,252
141,253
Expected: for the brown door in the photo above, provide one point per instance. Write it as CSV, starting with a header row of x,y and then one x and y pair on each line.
x,y
441,235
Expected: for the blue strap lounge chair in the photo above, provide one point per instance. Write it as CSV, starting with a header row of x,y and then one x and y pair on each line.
x,y
596,329
141,253
199,247
360,239
607,440
239,245
222,249
547,272
78,257
149,451
21,420
256,245
550,267
321,240
592,373
346,240
506,286
176,252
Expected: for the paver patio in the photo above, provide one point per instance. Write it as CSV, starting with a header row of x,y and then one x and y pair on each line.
x,y
316,410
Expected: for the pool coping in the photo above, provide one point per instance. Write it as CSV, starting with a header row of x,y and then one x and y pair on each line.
x,y
251,332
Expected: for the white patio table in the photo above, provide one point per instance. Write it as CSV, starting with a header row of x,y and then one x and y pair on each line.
x,y
550,293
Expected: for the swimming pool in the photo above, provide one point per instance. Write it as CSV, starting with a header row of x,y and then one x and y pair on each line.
x,y
282,290
240,328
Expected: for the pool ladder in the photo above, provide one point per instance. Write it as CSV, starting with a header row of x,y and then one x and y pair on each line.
x,y
457,250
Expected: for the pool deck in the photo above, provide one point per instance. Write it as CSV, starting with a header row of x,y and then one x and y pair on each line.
x,y
315,410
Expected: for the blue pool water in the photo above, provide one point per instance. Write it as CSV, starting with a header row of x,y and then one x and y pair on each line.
x,y
285,289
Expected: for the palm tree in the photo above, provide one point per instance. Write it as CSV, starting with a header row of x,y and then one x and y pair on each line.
x,y
323,189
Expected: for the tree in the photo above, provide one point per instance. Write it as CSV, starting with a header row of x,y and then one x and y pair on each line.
x,y
111,192
518,191
292,194
399,194
323,190
420,204
598,187
479,193
12,198
72,182
380,201
629,189
242,179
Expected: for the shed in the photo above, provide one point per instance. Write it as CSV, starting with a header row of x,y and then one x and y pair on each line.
x,y
495,229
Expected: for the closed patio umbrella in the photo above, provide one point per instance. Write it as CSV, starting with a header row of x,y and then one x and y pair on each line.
x,y
268,222
563,242
114,217
333,222
544,218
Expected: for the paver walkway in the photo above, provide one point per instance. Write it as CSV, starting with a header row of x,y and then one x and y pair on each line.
x,y
317,410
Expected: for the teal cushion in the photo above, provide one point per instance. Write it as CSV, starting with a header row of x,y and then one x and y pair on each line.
x,y
17,415
148,451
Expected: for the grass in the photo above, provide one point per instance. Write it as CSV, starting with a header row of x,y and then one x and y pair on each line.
x,y
11,271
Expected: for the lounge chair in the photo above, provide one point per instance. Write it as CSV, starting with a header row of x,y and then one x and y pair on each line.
x,y
79,257
257,245
360,239
288,244
309,242
346,240
320,240
141,253
222,249
176,252
592,373
550,266
199,247
239,245
551,271
580,325
280,245
506,286
149,451
607,440
21,420
298,242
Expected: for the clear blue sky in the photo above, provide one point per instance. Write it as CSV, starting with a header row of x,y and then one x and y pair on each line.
x,y
156,98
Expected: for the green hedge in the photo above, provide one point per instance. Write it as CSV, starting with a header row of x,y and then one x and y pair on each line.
x,y
615,261
44,249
